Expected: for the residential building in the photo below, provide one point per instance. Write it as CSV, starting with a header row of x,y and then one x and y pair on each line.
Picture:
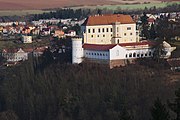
x,y
59,33
14,55
26,39
109,29
71,33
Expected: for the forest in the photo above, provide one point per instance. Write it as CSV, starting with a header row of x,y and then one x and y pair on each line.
x,y
44,89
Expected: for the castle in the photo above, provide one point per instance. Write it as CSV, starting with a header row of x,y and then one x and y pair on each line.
x,y
110,38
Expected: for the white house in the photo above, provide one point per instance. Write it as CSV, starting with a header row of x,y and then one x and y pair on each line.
x,y
26,39
71,33
14,55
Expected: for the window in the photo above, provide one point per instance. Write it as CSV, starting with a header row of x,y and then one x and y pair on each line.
x,y
124,34
103,54
134,54
117,29
128,28
146,54
97,35
89,30
99,30
118,41
103,30
126,55
97,53
130,54
130,33
142,55
103,35
100,54
149,53
111,35
92,36
94,53
137,55
111,29
107,30
93,30
137,33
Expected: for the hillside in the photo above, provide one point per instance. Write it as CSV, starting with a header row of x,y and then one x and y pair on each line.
x,y
45,4
55,91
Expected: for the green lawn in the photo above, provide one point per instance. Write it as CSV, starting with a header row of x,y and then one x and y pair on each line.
x,y
20,12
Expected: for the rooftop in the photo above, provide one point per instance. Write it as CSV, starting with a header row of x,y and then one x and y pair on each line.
x,y
108,19
105,47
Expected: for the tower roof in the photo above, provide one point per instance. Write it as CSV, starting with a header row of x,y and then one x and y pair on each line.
x,y
108,19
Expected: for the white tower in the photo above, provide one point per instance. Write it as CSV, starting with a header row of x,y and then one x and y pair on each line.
x,y
77,50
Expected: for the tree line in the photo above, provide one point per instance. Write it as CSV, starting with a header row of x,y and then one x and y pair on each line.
x,y
83,13
42,90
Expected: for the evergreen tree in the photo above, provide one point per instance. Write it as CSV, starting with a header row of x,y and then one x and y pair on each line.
x,y
175,106
125,115
152,32
145,26
159,111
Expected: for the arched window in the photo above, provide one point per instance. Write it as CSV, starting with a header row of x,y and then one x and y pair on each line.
x,y
118,41
150,53
137,55
142,55
130,54
126,55
134,54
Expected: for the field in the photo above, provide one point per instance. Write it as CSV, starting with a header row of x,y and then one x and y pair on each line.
x,y
50,4
130,6
20,12
21,8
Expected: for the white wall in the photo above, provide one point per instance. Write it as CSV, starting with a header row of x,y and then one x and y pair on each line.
x,y
93,54
109,34
77,50
117,52
139,53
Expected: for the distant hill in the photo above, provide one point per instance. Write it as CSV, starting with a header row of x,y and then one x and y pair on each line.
x,y
46,4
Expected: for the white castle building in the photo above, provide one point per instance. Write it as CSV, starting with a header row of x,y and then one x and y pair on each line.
x,y
111,38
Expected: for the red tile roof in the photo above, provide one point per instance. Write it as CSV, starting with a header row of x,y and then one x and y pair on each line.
x,y
108,19
105,47
98,47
